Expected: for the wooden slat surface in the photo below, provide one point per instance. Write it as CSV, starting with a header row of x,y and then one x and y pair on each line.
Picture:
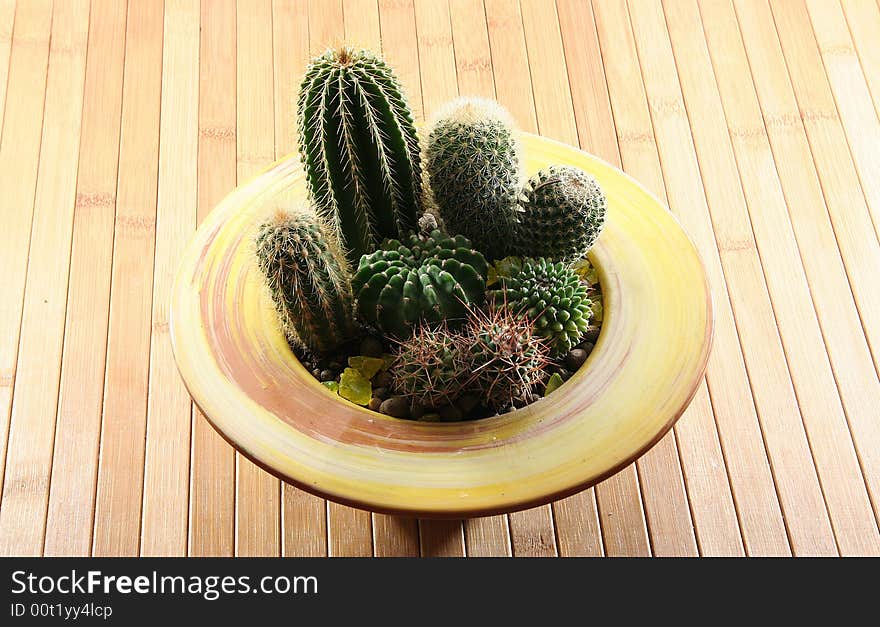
x,y
212,461
124,123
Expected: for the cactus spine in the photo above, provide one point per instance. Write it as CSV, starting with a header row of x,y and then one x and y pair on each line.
x,y
359,147
308,276
472,160
564,212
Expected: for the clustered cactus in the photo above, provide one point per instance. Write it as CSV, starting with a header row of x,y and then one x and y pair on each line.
x,y
472,160
359,147
431,279
495,357
365,255
308,277
552,296
564,212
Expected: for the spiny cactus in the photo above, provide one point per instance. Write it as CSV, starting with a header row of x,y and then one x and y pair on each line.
x,y
430,279
308,276
564,212
360,149
552,296
432,368
472,160
509,361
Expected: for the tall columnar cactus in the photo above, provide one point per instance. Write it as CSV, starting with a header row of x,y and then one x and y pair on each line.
x,y
432,279
360,149
309,279
472,160
552,296
564,212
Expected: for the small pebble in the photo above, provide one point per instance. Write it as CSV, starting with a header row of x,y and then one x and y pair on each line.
x,y
383,379
317,374
575,358
467,403
371,347
592,334
396,406
430,418
416,410
565,374
334,365
380,392
327,375
450,413
586,346
375,403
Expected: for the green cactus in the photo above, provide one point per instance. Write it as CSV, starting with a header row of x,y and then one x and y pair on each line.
x,y
360,149
508,361
564,212
431,279
309,279
472,160
432,368
552,296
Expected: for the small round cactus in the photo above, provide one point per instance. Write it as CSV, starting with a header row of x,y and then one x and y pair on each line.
x,y
431,368
564,212
472,161
431,279
509,361
552,296
308,277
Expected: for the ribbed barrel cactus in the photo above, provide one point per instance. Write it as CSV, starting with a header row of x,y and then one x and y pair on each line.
x,y
472,160
431,279
552,296
564,212
359,147
309,279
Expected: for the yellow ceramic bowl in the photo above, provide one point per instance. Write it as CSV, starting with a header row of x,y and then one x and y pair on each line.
x,y
649,358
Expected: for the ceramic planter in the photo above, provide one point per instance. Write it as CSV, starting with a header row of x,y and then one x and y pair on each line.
x,y
645,368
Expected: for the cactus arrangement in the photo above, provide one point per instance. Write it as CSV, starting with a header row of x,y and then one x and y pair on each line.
x,y
563,213
359,148
472,160
308,277
433,279
387,303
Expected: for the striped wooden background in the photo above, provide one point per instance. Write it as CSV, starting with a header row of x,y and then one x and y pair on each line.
x,y
123,124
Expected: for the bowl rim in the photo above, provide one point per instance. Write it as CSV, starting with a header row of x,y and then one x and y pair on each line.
x,y
512,505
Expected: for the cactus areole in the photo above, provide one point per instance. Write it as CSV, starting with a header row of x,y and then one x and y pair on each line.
x,y
359,148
